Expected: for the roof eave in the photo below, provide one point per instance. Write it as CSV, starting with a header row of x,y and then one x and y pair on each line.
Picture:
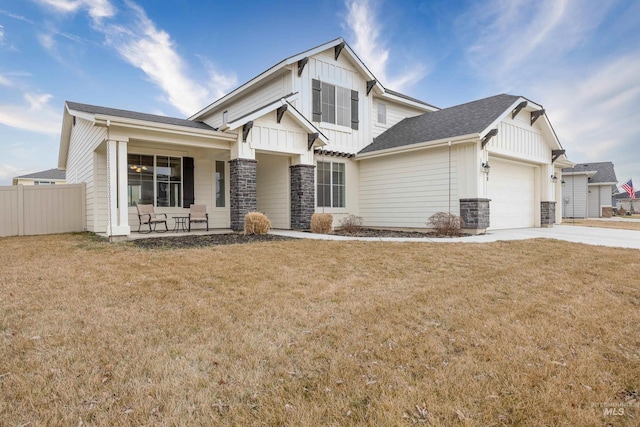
x,y
470,138
103,120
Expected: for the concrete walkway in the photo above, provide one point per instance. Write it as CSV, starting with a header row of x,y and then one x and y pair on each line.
x,y
576,234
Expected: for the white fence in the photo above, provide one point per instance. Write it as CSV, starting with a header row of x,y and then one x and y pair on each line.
x,y
42,209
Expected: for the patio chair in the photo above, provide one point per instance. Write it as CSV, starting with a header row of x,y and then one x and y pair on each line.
x,y
148,216
198,213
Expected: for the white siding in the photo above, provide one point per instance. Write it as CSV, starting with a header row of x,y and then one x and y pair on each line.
x,y
324,67
272,189
404,190
85,138
598,196
395,113
268,92
574,196
284,137
516,138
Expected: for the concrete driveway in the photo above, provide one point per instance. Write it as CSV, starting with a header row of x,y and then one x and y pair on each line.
x,y
576,234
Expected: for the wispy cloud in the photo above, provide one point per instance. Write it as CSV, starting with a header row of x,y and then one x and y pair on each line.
x,y
8,171
152,50
364,28
1,34
35,114
97,9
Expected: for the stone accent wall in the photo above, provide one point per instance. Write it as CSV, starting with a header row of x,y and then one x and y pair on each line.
x,y
474,214
607,212
547,214
303,196
242,188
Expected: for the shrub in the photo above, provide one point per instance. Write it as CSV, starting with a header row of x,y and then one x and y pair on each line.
x,y
351,224
321,223
621,211
445,224
256,223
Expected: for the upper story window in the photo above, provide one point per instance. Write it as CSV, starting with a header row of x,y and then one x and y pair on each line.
x,y
334,104
382,113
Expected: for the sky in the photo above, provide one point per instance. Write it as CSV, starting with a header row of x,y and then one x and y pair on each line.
x,y
580,59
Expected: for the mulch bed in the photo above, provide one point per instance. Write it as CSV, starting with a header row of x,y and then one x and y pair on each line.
x,y
238,238
207,240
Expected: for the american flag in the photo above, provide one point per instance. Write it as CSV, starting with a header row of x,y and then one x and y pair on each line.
x,y
628,187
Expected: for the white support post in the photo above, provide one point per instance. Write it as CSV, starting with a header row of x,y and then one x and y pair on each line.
x,y
123,202
112,190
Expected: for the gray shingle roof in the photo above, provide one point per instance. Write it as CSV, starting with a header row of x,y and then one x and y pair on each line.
x,y
48,174
94,109
604,171
470,118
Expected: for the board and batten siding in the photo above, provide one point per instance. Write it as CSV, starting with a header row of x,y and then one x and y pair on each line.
x,y
325,68
255,98
517,139
404,190
272,189
284,137
85,139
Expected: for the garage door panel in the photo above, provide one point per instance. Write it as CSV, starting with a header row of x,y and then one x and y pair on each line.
x,y
511,188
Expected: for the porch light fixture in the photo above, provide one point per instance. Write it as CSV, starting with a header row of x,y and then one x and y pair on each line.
x,y
562,182
485,167
554,178
138,168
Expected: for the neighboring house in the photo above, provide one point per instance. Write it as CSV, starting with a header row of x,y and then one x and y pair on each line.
x,y
623,201
318,133
48,177
588,188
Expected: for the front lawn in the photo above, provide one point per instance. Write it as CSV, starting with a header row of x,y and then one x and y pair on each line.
x,y
308,333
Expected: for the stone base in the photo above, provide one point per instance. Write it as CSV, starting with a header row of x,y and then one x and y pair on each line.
x,y
547,214
475,214
607,212
303,196
242,188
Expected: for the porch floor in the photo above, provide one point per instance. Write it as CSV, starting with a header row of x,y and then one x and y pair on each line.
x,y
155,235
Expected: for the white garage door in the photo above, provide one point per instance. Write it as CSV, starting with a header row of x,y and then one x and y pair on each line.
x,y
511,188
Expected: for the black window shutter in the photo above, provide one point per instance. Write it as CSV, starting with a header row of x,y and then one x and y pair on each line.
x,y
315,100
354,109
187,182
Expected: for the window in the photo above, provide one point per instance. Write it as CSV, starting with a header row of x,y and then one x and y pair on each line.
x,y
154,180
225,117
43,183
331,184
382,113
334,104
220,184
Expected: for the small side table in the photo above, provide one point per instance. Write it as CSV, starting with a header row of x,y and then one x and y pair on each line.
x,y
180,223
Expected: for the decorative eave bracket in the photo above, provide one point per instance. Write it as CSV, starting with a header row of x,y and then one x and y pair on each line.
x,y
301,65
280,112
487,137
370,85
338,49
555,154
535,115
245,130
312,139
519,108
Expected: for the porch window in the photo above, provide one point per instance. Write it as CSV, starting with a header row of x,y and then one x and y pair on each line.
x,y
220,184
154,180
330,181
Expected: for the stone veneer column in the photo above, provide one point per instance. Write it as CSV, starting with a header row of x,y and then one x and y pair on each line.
x,y
303,196
475,215
242,189
547,214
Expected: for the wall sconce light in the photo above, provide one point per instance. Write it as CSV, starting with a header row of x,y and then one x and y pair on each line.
x,y
554,178
562,182
485,167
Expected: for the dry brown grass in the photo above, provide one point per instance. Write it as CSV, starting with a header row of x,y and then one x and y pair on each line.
x,y
307,333
620,225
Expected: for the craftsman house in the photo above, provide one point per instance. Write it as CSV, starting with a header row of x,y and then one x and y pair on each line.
x,y
318,132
